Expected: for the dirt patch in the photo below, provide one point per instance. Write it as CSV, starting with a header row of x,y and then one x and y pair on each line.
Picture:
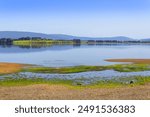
x,y
136,61
61,92
6,68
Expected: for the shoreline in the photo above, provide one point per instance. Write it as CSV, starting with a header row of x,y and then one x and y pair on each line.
x,y
8,68
135,61
42,89
39,89
62,92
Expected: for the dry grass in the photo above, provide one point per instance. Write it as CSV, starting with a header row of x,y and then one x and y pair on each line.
x,y
136,61
7,68
61,92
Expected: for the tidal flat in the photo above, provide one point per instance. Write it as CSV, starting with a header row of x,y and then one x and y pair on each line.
x,y
16,85
83,75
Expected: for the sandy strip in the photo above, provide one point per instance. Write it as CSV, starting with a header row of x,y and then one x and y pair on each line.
x,y
6,68
60,92
136,61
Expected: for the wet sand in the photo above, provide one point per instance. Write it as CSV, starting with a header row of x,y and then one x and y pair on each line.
x,y
135,61
61,92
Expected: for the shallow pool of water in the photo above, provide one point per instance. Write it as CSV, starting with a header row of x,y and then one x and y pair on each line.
x,y
83,77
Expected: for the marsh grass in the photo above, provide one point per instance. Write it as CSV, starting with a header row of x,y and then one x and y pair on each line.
x,y
129,67
138,80
113,83
24,82
64,70
6,68
77,69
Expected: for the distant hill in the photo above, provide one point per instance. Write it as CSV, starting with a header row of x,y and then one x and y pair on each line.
x,y
145,39
17,34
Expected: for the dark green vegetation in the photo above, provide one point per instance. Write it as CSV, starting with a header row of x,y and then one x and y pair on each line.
x,y
76,69
64,70
25,81
129,67
100,84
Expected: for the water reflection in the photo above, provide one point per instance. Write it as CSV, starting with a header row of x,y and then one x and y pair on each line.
x,y
9,48
72,55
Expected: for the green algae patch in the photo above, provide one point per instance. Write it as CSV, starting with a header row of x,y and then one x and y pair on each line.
x,y
113,83
77,69
129,67
24,82
65,70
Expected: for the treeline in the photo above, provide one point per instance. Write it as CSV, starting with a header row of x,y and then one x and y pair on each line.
x,y
9,41
6,41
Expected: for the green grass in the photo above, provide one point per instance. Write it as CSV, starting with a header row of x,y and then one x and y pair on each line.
x,y
64,70
100,84
76,69
142,80
129,67
24,82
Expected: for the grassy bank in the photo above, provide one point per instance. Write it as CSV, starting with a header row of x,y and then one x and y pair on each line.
x,y
24,82
40,89
137,80
64,70
70,83
76,69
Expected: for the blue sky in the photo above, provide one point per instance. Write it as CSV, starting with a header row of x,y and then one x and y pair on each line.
x,y
95,18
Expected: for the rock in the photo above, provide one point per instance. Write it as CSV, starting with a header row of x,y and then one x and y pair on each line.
x,y
131,82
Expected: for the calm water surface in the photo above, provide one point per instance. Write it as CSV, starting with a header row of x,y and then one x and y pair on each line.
x,y
68,55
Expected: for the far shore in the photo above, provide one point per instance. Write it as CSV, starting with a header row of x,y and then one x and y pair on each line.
x,y
135,61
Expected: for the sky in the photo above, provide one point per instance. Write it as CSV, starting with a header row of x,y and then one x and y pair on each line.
x,y
91,18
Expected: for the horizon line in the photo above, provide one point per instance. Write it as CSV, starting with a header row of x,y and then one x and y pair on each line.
x,y
73,35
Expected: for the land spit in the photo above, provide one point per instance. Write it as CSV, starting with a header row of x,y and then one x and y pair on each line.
x,y
135,61
7,68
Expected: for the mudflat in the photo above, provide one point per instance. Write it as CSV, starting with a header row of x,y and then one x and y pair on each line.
x,y
136,61
61,92
7,68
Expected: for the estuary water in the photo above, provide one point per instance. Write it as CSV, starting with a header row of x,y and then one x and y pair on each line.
x,y
72,55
